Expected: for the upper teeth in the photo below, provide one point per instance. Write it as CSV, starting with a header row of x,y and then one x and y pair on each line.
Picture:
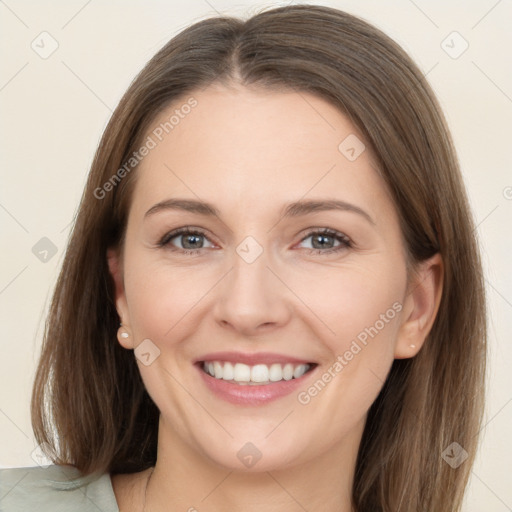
x,y
257,374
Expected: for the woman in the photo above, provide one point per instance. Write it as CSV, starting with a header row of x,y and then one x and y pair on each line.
x,y
275,224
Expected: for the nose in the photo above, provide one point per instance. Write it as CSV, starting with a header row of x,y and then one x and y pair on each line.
x,y
252,298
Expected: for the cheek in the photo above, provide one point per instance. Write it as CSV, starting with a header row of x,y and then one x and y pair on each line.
x,y
162,298
163,305
363,309
354,302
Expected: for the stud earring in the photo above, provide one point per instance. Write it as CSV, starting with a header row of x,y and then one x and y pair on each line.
x,y
123,334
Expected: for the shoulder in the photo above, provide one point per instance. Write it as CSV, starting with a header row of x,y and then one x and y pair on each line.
x,y
55,487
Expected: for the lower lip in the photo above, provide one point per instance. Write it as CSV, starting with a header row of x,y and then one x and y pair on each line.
x,y
252,394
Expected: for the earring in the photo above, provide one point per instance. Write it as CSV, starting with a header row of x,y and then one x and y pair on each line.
x,y
123,334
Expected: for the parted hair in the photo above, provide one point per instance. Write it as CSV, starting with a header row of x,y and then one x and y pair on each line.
x,y
89,405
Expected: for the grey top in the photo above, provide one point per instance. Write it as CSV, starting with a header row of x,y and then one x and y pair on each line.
x,y
55,488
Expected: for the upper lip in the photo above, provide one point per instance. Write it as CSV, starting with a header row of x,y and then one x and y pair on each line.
x,y
252,359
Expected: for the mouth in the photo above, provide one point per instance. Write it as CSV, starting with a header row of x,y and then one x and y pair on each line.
x,y
253,379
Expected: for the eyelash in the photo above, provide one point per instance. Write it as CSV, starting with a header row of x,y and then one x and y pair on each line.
x,y
345,242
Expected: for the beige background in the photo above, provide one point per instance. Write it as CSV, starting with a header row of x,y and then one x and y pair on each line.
x,y
55,109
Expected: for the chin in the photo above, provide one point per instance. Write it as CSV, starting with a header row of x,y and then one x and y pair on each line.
x,y
254,456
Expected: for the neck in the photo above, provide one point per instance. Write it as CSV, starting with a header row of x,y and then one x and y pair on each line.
x,y
184,480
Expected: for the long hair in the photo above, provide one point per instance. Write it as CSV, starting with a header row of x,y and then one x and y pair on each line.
x,y
89,405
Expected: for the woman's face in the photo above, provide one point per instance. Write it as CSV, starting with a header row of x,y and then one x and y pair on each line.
x,y
256,289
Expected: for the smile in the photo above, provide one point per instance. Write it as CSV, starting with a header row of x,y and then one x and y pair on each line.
x,y
254,379
259,374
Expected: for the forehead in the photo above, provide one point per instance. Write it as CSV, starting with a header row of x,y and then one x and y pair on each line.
x,y
248,148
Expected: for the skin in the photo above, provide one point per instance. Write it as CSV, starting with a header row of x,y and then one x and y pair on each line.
x,y
249,152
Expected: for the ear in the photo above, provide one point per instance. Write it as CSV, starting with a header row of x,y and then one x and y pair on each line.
x,y
420,306
115,265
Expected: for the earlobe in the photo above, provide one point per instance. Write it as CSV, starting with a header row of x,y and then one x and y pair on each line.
x,y
116,271
421,306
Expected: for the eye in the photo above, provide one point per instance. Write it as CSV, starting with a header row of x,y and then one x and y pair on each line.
x,y
327,241
189,240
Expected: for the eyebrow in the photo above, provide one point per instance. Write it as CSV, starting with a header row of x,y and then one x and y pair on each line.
x,y
295,209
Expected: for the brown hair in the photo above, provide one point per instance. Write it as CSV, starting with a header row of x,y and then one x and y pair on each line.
x,y
89,403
